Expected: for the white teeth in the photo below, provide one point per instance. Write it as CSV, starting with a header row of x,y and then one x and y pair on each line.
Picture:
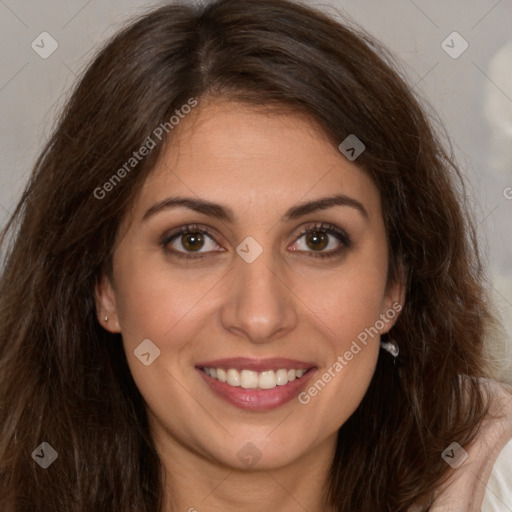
x,y
267,380
281,377
249,379
233,377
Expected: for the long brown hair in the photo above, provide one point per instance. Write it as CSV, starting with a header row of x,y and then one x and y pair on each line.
x,y
64,380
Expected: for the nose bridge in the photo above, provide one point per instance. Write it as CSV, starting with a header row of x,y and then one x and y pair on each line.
x,y
259,304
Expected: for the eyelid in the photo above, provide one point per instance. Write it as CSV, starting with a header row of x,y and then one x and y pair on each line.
x,y
327,227
168,237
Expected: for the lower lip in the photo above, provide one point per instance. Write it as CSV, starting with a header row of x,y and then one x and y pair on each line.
x,y
257,399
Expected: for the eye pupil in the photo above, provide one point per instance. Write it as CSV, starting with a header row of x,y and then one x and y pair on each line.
x,y
315,237
193,241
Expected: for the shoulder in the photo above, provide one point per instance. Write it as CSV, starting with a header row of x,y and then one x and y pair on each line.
x,y
469,486
498,492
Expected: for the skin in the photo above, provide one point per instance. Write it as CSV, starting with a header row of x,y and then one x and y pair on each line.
x,y
283,304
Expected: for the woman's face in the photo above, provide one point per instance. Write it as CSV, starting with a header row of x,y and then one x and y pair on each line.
x,y
261,290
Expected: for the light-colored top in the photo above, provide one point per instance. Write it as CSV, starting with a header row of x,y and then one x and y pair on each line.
x,y
483,482
498,494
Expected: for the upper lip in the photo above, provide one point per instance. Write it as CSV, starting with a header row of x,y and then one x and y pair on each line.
x,y
257,365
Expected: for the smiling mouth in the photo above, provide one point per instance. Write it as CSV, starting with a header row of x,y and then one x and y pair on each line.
x,y
250,379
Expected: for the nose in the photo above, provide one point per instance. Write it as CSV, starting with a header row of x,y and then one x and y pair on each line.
x,y
260,304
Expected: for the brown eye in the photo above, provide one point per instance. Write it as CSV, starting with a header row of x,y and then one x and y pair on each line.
x,y
319,237
317,240
187,240
192,241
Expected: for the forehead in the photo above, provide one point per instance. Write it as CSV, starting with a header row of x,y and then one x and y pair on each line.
x,y
238,156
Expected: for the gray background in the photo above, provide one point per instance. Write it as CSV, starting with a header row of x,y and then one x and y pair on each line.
x,y
472,93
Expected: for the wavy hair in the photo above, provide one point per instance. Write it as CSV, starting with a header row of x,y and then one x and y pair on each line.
x,y
65,380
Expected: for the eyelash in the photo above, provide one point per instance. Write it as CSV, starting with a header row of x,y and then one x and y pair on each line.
x,y
195,228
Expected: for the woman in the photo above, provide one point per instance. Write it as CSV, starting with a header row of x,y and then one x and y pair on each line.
x,y
323,350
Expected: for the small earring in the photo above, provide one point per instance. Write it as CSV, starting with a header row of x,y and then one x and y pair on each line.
x,y
106,319
391,346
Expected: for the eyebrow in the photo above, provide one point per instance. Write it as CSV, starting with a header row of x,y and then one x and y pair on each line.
x,y
226,214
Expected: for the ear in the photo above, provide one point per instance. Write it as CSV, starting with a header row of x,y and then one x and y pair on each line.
x,y
393,302
106,307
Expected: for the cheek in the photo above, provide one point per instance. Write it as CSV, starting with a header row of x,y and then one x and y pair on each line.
x,y
156,299
359,301
350,307
349,299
